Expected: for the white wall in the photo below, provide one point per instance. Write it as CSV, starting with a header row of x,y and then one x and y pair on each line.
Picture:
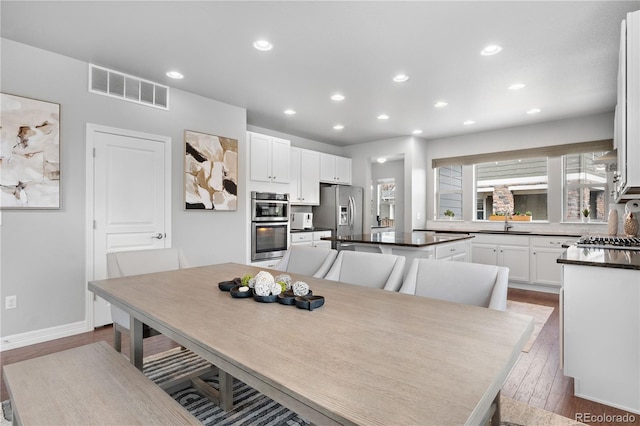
x,y
43,252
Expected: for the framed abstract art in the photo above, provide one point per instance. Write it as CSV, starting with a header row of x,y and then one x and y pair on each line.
x,y
29,153
210,172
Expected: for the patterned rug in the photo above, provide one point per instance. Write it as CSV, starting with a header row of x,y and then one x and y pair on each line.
x,y
540,316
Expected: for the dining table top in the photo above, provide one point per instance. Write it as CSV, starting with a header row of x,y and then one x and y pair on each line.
x,y
367,356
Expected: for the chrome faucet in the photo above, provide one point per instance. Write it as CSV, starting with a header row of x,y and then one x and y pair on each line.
x,y
506,223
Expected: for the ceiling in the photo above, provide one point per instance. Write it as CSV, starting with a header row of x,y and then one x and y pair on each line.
x,y
564,52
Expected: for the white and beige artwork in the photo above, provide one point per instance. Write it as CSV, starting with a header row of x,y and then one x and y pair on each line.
x,y
211,172
29,153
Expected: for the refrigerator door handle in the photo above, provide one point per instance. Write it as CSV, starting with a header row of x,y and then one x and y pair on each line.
x,y
354,212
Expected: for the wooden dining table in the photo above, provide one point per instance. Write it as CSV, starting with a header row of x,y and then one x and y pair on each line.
x,y
367,356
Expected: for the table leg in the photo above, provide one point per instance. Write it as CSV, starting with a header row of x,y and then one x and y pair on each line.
x,y
226,390
135,342
495,419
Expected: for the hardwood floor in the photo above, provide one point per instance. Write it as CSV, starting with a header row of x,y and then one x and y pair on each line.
x,y
536,379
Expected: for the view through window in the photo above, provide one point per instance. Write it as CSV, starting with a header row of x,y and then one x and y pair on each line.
x,y
512,187
449,192
585,187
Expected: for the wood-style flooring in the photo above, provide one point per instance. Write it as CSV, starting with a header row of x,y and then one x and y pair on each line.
x,y
536,379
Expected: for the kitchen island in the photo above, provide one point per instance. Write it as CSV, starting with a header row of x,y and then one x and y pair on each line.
x,y
411,245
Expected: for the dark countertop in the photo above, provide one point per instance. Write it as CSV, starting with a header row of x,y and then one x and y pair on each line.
x,y
498,232
406,239
606,258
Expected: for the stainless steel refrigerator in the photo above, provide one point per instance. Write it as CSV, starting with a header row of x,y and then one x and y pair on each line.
x,y
340,210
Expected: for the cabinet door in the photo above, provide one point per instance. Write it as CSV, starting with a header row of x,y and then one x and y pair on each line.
x,y
309,184
343,170
280,160
516,258
260,157
484,253
294,176
544,268
327,168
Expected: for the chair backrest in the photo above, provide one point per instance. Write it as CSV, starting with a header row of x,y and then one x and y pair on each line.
x,y
461,282
306,260
375,270
136,262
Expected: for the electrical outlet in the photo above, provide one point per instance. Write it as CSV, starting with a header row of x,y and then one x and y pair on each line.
x,y
11,302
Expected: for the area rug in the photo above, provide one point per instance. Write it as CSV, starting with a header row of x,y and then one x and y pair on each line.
x,y
540,314
516,413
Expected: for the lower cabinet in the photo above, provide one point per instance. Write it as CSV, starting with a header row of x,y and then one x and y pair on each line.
x,y
544,253
503,250
311,238
457,252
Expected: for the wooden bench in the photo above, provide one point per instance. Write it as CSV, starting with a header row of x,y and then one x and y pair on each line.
x,y
88,385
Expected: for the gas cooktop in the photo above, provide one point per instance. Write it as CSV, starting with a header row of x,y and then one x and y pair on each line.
x,y
618,243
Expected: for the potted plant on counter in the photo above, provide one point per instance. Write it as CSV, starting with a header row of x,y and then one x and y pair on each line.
x,y
522,217
585,215
449,214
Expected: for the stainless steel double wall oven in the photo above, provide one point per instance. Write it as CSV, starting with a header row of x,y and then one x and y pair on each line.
x,y
269,225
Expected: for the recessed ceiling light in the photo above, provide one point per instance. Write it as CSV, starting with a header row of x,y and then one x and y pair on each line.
x,y
381,160
417,132
516,86
534,111
440,104
491,50
337,97
338,127
383,117
469,122
263,45
289,112
175,75
401,78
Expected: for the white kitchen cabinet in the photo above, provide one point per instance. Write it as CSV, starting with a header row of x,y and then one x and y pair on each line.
x,y
544,253
269,158
627,125
511,251
457,252
305,177
311,238
335,169
601,334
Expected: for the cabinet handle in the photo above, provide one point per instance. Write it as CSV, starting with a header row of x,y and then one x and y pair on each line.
x,y
534,252
452,249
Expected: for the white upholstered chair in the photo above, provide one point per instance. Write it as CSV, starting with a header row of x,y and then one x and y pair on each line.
x,y
306,260
461,282
368,269
136,262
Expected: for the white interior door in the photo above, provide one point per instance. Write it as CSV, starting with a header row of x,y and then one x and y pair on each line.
x,y
131,198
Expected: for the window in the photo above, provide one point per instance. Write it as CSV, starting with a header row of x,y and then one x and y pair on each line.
x,y
512,186
449,191
585,187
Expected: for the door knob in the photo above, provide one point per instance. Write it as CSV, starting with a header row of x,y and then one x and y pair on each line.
x,y
158,236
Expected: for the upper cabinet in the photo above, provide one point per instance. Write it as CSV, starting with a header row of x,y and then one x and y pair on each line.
x,y
305,177
269,158
335,169
627,123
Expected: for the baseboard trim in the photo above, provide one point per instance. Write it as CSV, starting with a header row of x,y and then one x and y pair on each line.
x,y
39,336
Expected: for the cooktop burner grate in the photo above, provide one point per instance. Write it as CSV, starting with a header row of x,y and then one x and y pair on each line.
x,y
620,243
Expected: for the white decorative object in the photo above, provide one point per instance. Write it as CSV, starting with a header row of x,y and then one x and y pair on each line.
x,y
286,279
632,206
300,288
275,289
252,282
613,222
262,288
243,288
